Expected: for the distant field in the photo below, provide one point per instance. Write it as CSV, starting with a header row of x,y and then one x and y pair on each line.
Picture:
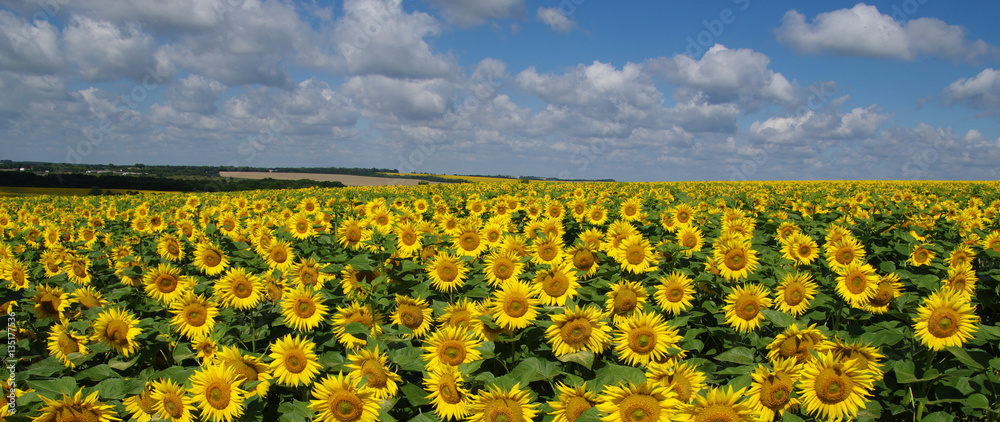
x,y
23,191
346,179
477,179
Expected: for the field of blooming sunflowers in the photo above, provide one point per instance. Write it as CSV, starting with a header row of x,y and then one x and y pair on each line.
x,y
507,302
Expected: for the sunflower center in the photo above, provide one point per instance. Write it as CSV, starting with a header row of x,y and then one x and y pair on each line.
x,y
515,307
548,252
682,386
943,322
218,395
883,296
211,258
639,408
493,236
279,255
346,406
675,293
857,283
833,385
117,332
735,259
353,235
242,288
502,410
845,255
375,374
794,295
305,307
67,344
576,332
775,391
411,316
49,303
447,271
804,251
470,241
555,284
448,391
165,283
173,248
409,238
301,227
195,314
243,371
308,275
295,361
682,217
452,353
625,301
718,413
689,241
576,406
583,259
503,270
747,308
172,404
642,340
635,255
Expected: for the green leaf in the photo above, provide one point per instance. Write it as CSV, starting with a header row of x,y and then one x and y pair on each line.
x,y
45,368
938,417
408,358
988,332
360,263
977,362
778,318
887,266
534,369
590,415
414,394
357,328
738,355
97,373
584,357
425,417
54,389
295,411
614,374
119,388
978,401
120,365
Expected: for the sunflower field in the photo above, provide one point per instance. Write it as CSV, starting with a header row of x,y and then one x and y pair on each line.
x,y
502,302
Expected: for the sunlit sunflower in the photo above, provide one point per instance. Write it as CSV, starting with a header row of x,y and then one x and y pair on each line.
x,y
210,259
736,258
690,238
409,241
833,389
719,404
645,402
206,347
555,285
239,289
795,343
88,297
674,293
461,313
683,378
584,260
795,292
992,241
280,256
170,248
920,255
634,254
118,329
293,361
75,408
336,399
961,255
351,233
355,312
414,314
50,302
215,390
961,279
248,368
857,283
308,273
888,289
63,341
843,252
16,272
77,268
166,284
771,391
578,329
468,241
596,215
141,406
624,298
945,318
501,266
571,401
194,315
499,405
447,273
868,357
643,338
303,308
355,283
300,226
369,366
451,346
800,248
449,397
744,305
547,250
170,401
515,305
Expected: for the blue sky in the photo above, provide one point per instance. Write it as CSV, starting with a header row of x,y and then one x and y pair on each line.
x,y
582,89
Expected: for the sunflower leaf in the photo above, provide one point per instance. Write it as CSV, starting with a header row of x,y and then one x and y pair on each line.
x,y
737,355
414,394
778,318
584,357
977,362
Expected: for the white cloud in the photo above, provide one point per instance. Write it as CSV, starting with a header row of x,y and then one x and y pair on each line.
x,y
810,126
29,46
468,13
102,50
195,94
400,99
598,87
864,31
981,92
555,19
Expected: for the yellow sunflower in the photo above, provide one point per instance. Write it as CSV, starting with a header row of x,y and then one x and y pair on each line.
x,y
215,390
771,391
857,283
239,289
142,407
645,402
355,312
63,342
293,361
369,365
584,260
308,273
515,305
77,268
868,357
719,404
801,249
744,305
578,329
194,315
50,302
461,313
501,266
451,346
945,318
690,238
468,241
571,402
300,226
499,405
644,338
170,248
675,293
447,273
351,234
69,408
118,329
635,255
795,292
303,308
17,273
205,347
408,239
170,401
795,343
210,259
166,284
450,399
843,252
280,256
833,389
547,250
414,314
336,399
556,285
736,258
625,298
961,279
888,289
683,378
88,297
248,368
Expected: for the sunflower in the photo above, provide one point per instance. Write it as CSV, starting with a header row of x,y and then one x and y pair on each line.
x,y
690,238
468,241
76,408
556,285
795,343
857,283
239,289
635,254
170,401
868,357
215,390
888,289
643,338
77,268
300,226
293,361
166,284
596,215
736,258
920,255
307,273
493,233
961,255
206,347
351,234
744,305
63,342
961,279
142,407
450,399
414,314
210,259
280,255
795,292
571,402
576,330
194,315
800,248
356,283
833,389
248,368
447,273
637,403
336,399
499,405
355,313
461,313
719,404
50,302
170,248
450,346
303,308
118,329
547,250
516,244
501,266
992,241
674,293
624,298
370,366
771,391
584,260
785,231
515,305
843,252
16,273
683,378
88,298
945,318
408,239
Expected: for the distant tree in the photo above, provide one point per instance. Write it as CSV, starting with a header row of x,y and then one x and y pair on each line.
x,y
95,190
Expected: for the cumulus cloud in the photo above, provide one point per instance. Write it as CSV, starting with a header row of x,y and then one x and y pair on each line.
x,y
469,13
555,19
29,46
865,32
981,92
598,86
400,99
102,50
195,94
859,123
